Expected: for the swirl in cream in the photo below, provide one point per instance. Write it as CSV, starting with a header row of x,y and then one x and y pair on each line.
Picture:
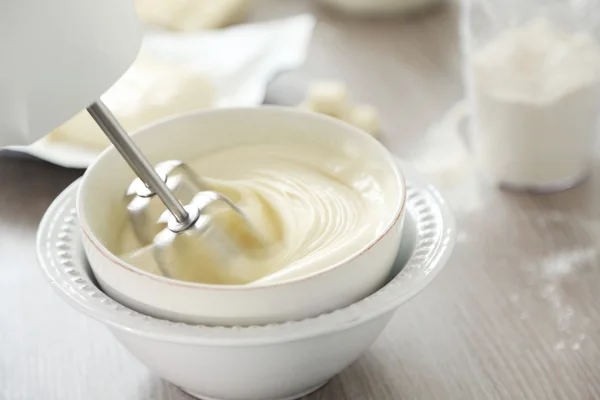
x,y
315,208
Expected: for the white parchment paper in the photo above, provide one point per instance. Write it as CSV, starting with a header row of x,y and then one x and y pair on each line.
x,y
240,61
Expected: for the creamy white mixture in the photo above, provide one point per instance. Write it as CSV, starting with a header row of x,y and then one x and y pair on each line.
x,y
314,207
536,93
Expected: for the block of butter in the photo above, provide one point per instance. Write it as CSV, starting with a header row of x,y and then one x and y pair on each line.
x,y
191,15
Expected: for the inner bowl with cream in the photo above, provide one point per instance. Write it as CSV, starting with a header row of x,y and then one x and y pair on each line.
x,y
329,196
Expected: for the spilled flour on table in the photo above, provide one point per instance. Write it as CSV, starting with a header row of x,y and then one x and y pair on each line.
x,y
562,264
447,163
462,237
548,276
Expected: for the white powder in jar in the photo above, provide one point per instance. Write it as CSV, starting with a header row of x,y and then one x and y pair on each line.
x,y
536,96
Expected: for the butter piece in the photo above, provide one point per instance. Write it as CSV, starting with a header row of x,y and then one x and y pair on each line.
x,y
328,97
365,117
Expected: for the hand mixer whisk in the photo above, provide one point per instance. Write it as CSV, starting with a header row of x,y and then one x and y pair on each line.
x,y
185,224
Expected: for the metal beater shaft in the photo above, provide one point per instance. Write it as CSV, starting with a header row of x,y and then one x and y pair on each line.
x,y
138,162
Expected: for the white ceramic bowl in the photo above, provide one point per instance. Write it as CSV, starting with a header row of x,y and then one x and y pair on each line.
x,y
100,204
379,7
281,361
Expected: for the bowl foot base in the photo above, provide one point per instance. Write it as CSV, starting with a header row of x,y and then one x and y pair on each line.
x,y
292,397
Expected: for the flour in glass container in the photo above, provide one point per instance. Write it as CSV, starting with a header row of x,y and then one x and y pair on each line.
x,y
536,94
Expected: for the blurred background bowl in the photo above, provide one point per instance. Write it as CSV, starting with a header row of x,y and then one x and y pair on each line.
x,y
379,7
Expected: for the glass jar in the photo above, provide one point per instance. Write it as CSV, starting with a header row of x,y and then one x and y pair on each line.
x,y
532,73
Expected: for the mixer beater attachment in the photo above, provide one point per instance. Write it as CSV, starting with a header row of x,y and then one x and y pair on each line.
x,y
180,226
145,208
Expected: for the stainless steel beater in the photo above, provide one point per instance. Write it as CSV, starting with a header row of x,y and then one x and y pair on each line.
x,y
188,219
145,208
183,216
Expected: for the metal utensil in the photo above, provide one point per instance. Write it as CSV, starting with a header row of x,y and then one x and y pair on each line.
x,y
188,219
145,208
177,254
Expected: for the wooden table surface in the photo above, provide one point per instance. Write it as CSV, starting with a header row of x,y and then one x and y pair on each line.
x,y
515,315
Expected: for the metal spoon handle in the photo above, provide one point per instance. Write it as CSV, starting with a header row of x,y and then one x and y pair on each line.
x,y
137,161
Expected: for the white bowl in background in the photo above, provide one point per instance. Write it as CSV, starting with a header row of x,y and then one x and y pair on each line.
x,y
100,204
379,7
278,361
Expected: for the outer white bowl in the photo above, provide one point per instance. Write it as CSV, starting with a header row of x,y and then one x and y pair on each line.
x,y
100,200
280,361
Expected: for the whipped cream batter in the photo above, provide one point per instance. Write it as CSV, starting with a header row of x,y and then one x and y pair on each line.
x,y
314,209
